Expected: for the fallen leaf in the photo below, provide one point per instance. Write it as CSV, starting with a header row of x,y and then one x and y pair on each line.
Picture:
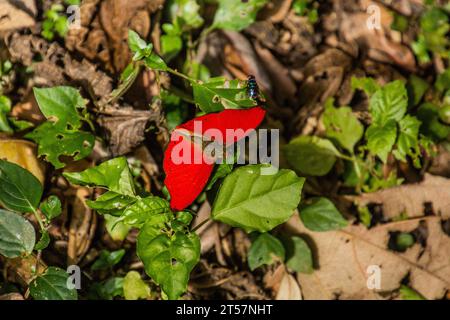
x,y
289,289
17,15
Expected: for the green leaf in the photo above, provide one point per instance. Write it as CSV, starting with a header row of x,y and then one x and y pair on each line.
x,y
155,62
20,190
368,85
236,14
168,260
5,108
108,259
143,209
298,255
389,103
171,45
111,202
416,89
381,139
135,42
17,235
442,82
221,171
320,214
52,285
51,208
187,14
113,174
408,139
108,289
60,135
341,125
55,141
116,229
134,287
428,114
255,201
311,155
219,94
265,249
43,242
406,293
61,104
403,241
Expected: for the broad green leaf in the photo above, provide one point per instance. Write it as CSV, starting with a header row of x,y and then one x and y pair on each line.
x,y
17,235
113,174
111,202
407,293
320,214
171,45
255,201
381,139
236,14
311,155
219,94
20,190
186,14
52,285
143,209
116,229
135,42
298,255
408,139
428,114
368,85
342,126
108,259
43,242
5,108
55,140
61,105
168,260
442,82
60,135
389,103
51,208
134,287
221,171
265,249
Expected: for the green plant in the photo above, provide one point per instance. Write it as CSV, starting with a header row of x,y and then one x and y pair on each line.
x,y
55,22
21,193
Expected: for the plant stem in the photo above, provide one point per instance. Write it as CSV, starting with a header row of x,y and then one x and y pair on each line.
x,y
200,225
39,220
181,75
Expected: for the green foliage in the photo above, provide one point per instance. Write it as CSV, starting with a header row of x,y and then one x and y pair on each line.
x,y
320,214
342,126
218,94
407,293
381,138
51,208
311,155
298,255
52,285
307,8
108,259
19,190
254,201
5,108
65,110
108,289
403,241
113,174
433,35
43,242
17,236
265,249
55,22
140,211
236,14
428,113
116,229
144,52
134,287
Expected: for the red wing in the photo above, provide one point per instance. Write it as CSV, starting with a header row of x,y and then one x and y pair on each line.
x,y
186,178
244,119
185,181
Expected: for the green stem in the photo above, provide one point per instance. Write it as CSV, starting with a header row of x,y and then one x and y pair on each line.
x,y
181,75
39,220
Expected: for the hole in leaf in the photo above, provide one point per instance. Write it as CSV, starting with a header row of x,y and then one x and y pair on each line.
x,y
174,261
59,136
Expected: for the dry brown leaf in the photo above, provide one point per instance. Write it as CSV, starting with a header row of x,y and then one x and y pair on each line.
x,y
23,153
411,199
343,257
17,15
289,289
11,296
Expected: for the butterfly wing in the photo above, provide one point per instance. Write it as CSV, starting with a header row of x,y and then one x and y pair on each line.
x,y
187,172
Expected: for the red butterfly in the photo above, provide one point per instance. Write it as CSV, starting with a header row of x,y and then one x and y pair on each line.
x,y
186,180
